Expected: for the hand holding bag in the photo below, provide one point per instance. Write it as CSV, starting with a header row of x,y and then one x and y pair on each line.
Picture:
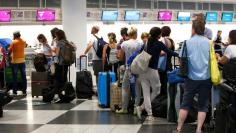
x,y
141,62
183,70
215,72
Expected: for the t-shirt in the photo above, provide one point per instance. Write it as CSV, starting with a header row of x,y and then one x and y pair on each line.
x,y
61,45
230,52
45,50
198,52
129,47
94,41
208,33
18,51
54,46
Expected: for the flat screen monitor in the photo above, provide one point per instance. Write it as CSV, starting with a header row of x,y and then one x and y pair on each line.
x,y
132,15
184,16
211,16
46,15
164,15
227,17
109,15
5,15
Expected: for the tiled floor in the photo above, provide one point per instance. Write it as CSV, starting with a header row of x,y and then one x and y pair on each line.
x,y
26,115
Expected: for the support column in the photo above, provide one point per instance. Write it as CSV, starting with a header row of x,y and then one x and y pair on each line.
x,y
75,26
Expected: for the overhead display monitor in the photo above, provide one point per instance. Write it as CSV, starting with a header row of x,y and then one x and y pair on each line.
x,y
227,17
46,15
109,15
211,16
184,16
132,15
164,15
5,15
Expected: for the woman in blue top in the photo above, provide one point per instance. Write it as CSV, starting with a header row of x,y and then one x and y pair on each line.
x,y
151,78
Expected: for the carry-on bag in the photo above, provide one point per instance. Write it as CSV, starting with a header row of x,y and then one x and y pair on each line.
x,y
105,80
115,97
84,81
39,81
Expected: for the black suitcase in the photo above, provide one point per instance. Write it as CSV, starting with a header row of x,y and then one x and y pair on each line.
x,y
67,92
84,82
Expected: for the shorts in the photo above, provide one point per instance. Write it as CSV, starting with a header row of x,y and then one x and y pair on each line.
x,y
126,79
97,66
200,87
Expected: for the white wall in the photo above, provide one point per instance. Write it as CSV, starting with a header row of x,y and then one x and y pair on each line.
x,y
29,33
179,33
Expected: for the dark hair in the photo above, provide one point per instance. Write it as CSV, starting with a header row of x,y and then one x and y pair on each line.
x,y
42,37
113,35
17,34
60,34
53,32
232,37
199,27
165,31
154,33
124,31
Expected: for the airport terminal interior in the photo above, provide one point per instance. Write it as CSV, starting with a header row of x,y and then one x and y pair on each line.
x,y
91,99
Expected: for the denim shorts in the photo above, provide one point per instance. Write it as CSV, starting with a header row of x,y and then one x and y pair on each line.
x,y
200,87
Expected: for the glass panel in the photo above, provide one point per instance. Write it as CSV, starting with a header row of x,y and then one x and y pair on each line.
x,y
161,5
206,6
175,5
144,4
29,3
200,6
216,7
92,3
8,3
228,7
52,3
110,4
189,5
126,3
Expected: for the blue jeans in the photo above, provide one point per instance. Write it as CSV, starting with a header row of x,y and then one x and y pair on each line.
x,y
21,67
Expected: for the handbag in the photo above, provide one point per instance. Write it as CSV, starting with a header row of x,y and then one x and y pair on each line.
x,y
215,72
174,78
162,63
141,62
183,69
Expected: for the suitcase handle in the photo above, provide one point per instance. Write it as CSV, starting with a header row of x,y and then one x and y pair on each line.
x,y
80,59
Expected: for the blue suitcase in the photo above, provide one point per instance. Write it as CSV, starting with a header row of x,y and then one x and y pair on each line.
x,y
105,81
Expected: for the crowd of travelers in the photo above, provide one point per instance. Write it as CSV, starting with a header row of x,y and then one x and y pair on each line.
x,y
151,84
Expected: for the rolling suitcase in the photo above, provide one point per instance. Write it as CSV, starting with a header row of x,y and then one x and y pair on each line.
x,y
84,82
39,81
105,79
115,97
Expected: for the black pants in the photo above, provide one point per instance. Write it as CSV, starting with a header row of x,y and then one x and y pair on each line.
x,y
1,78
163,80
61,72
112,68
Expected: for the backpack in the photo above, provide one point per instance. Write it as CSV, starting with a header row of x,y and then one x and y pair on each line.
x,y
229,72
111,56
2,57
40,62
68,55
100,45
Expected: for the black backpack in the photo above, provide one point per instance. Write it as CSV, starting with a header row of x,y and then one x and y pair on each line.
x,y
40,62
67,93
229,72
100,45
48,94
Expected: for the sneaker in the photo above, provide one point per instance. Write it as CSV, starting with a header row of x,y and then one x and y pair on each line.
x,y
150,118
139,112
122,111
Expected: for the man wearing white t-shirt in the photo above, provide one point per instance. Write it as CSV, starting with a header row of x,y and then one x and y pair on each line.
x,y
97,62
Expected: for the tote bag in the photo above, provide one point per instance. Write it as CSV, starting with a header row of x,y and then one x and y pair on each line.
x,y
162,63
141,62
215,72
